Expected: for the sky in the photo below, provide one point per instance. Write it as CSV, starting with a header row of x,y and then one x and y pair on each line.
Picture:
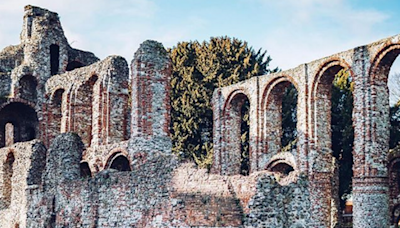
x,y
291,31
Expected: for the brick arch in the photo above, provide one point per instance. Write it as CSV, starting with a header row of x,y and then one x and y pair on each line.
x,y
320,124
82,109
325,67
233,95
120,150
285,157
17,100
271,108
230,156
378,107
23,117
382,62
115,154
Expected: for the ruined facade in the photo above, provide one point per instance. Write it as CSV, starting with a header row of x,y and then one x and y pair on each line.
x,y
369,67
85,144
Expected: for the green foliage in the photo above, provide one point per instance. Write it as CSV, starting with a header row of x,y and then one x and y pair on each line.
x,y
289,118
244,140
342,130
198,69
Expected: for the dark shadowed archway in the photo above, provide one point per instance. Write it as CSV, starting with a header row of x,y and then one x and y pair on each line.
x,y
119,162
23,119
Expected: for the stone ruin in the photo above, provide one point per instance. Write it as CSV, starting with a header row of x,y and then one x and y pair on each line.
x,y
85,144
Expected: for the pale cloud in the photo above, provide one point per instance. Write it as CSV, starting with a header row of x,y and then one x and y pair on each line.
x,y
315,28
293,32
103,27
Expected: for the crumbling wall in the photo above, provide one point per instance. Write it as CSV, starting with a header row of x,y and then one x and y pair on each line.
x,y
158,192
20,174
274,205
95,103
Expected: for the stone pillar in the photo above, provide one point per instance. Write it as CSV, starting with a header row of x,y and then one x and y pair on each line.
x,y
371,145
302,121
151,72
217,107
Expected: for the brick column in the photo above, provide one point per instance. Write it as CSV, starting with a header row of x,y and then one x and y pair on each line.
x,y
151,73
217,107
371,145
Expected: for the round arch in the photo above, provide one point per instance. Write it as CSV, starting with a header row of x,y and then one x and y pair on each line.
x,y
382,63
119,161
25,121
320,99
236,155
271,116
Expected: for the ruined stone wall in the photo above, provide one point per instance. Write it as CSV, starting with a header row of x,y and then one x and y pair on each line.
x,y
94,102
369,67
150,115
21,166
25,68
158,192
43,94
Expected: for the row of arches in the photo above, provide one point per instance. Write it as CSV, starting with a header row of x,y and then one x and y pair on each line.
x,y
92,109
315,146
18,123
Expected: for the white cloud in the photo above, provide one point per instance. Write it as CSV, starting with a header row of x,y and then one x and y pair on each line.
x,y
316,28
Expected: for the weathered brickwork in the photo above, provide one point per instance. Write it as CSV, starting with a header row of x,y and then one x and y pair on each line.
x,y
85,144
369,67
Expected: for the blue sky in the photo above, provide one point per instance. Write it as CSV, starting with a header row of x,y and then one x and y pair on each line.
x,y
292,31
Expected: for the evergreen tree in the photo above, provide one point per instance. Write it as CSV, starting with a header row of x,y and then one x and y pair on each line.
x,y
198,69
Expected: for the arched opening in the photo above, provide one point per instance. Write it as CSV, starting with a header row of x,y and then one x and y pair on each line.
x,y
54,59
24,120
83,111
280,118
7,179
74,65
85,170
385,82
237,122
384,79
334,134
27,88
283,168
56,113
119,162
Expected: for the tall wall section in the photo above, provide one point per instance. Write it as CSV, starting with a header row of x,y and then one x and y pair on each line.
x,y
368,67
